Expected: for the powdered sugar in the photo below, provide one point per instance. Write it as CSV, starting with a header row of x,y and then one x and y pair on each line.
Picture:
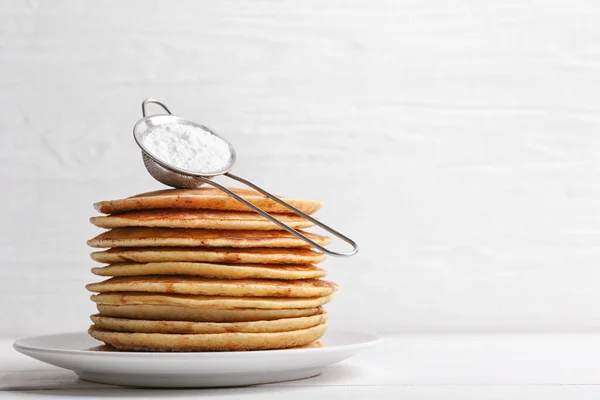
x,y
187,147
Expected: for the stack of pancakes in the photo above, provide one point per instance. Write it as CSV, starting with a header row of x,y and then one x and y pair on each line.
x,y
196,270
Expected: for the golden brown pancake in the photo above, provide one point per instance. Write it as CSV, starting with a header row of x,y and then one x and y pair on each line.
x,y
187,327
198,301
196,270
200,219
203,198
208,342
209,254
210,270
184,313
108,348
215,287
181,237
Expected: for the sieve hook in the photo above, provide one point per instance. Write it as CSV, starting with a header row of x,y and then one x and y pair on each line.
x,y
152,101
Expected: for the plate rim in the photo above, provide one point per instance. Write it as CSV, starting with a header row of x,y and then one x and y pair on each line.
x,y
18,346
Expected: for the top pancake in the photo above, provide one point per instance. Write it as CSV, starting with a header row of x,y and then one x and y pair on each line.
x,y
204,219
203,198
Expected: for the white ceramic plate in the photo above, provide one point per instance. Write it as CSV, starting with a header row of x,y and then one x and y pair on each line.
x,y
72,351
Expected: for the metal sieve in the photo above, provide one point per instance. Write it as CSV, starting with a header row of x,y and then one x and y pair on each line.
x,y
174,176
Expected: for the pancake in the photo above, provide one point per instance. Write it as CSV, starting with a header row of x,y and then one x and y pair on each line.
x,y
203,219
108,348
198,301
215,287
208,342
186,327
183,313
240,271
214,254
202,198
177,237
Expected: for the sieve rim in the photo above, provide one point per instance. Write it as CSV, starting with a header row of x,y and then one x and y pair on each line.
x,y
137,131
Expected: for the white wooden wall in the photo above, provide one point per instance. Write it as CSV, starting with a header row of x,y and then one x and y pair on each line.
x,y
457,141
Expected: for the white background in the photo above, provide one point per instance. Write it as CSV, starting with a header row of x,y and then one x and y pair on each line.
x,y
457,141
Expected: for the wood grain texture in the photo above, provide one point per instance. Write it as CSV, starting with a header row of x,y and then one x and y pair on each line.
x,y
456,141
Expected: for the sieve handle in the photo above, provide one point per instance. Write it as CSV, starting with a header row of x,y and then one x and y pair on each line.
x,y
152,101
281,224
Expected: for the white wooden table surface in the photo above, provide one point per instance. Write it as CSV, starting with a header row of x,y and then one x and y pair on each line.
x,y
465,366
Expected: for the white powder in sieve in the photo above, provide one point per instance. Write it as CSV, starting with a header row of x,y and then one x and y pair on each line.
x,y
187,147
